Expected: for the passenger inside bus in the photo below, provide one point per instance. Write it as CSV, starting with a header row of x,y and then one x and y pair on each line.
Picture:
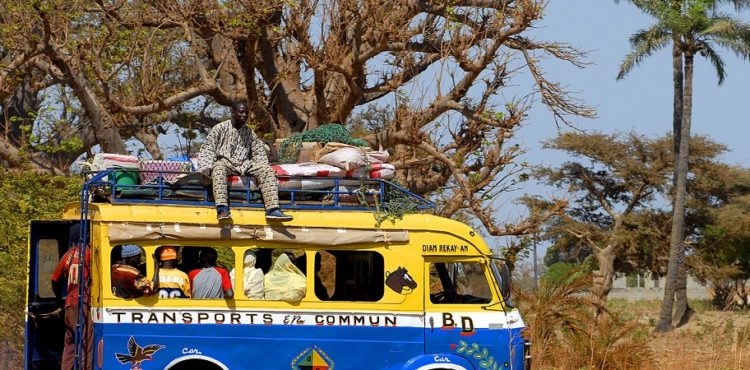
x,y
170,282
321,291
127,280
189,259
285,282
210,281
252,277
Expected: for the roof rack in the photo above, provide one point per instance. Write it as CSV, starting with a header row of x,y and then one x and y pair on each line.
x,y
295,192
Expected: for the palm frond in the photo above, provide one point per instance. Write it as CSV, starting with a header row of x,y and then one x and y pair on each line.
x,y
658,9
645,43
715,60
728,27
740,48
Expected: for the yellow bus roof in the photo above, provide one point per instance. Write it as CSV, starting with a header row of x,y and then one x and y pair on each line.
x,y
333,219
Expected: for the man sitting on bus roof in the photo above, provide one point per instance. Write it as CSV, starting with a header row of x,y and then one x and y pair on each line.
x,y
170,282
127,280
232,148
210,281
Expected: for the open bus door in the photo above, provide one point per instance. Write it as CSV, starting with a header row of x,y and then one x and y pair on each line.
x,y
45,328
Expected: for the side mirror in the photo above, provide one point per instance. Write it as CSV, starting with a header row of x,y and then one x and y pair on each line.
x,y
501,272
505,283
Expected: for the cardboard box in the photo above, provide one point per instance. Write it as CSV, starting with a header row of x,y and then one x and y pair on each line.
x,y
307,152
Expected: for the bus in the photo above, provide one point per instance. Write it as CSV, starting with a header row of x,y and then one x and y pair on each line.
x,y
423,292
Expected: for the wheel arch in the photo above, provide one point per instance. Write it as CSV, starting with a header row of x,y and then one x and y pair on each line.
x,y
435,361
195,358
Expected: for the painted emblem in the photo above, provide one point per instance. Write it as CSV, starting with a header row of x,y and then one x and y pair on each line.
x,y
400,281
312,358
137,354
481,354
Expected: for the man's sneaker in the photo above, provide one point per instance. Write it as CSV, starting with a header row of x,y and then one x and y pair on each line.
x,y
222,213
276,215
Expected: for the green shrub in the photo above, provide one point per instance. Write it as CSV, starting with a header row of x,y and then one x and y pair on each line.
x,y
24,196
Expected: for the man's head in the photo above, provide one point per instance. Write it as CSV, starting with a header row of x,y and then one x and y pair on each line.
x,y
168,256
75,234
208,257
239,114
131,255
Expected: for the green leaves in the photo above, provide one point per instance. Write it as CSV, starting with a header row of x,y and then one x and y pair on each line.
x,y
698,28
25,196
645,43
478,353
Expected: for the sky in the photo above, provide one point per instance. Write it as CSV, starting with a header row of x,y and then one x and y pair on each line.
x,y
642,101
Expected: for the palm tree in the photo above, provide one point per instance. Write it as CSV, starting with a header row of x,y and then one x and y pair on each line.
x,y
693,27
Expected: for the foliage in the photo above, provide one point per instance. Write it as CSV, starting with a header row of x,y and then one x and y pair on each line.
x,y
558,271
567,335
694,27
612,180
124,74
618,184
722,257
25,196
698,27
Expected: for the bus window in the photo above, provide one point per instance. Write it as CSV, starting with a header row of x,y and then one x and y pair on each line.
x,y
129,272
207,269
459,283
171,281
325,275
49,255
284,273
349,276
252,276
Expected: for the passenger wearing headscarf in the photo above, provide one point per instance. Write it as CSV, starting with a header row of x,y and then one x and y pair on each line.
x,y
252,277
285,282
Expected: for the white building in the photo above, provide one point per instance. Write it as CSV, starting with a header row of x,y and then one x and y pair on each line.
x,y
638,287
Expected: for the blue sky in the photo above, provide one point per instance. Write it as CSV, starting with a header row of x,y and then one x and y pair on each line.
x,y
641,102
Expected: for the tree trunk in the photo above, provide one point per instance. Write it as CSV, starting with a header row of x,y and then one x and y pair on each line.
x,y
17,111
677,235
683,312
603,277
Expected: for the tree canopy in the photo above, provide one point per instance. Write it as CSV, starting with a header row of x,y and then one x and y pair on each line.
x,y
618,185
81,75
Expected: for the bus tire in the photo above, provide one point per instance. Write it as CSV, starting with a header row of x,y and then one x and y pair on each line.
x,y
195,364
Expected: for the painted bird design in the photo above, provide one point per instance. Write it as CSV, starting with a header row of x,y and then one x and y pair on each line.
x,y
138,354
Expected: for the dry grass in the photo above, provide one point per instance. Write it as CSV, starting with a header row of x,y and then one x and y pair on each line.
x,y
566,334
712,339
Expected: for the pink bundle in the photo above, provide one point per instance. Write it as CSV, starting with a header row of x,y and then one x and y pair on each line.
x,y
376,171
151,169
